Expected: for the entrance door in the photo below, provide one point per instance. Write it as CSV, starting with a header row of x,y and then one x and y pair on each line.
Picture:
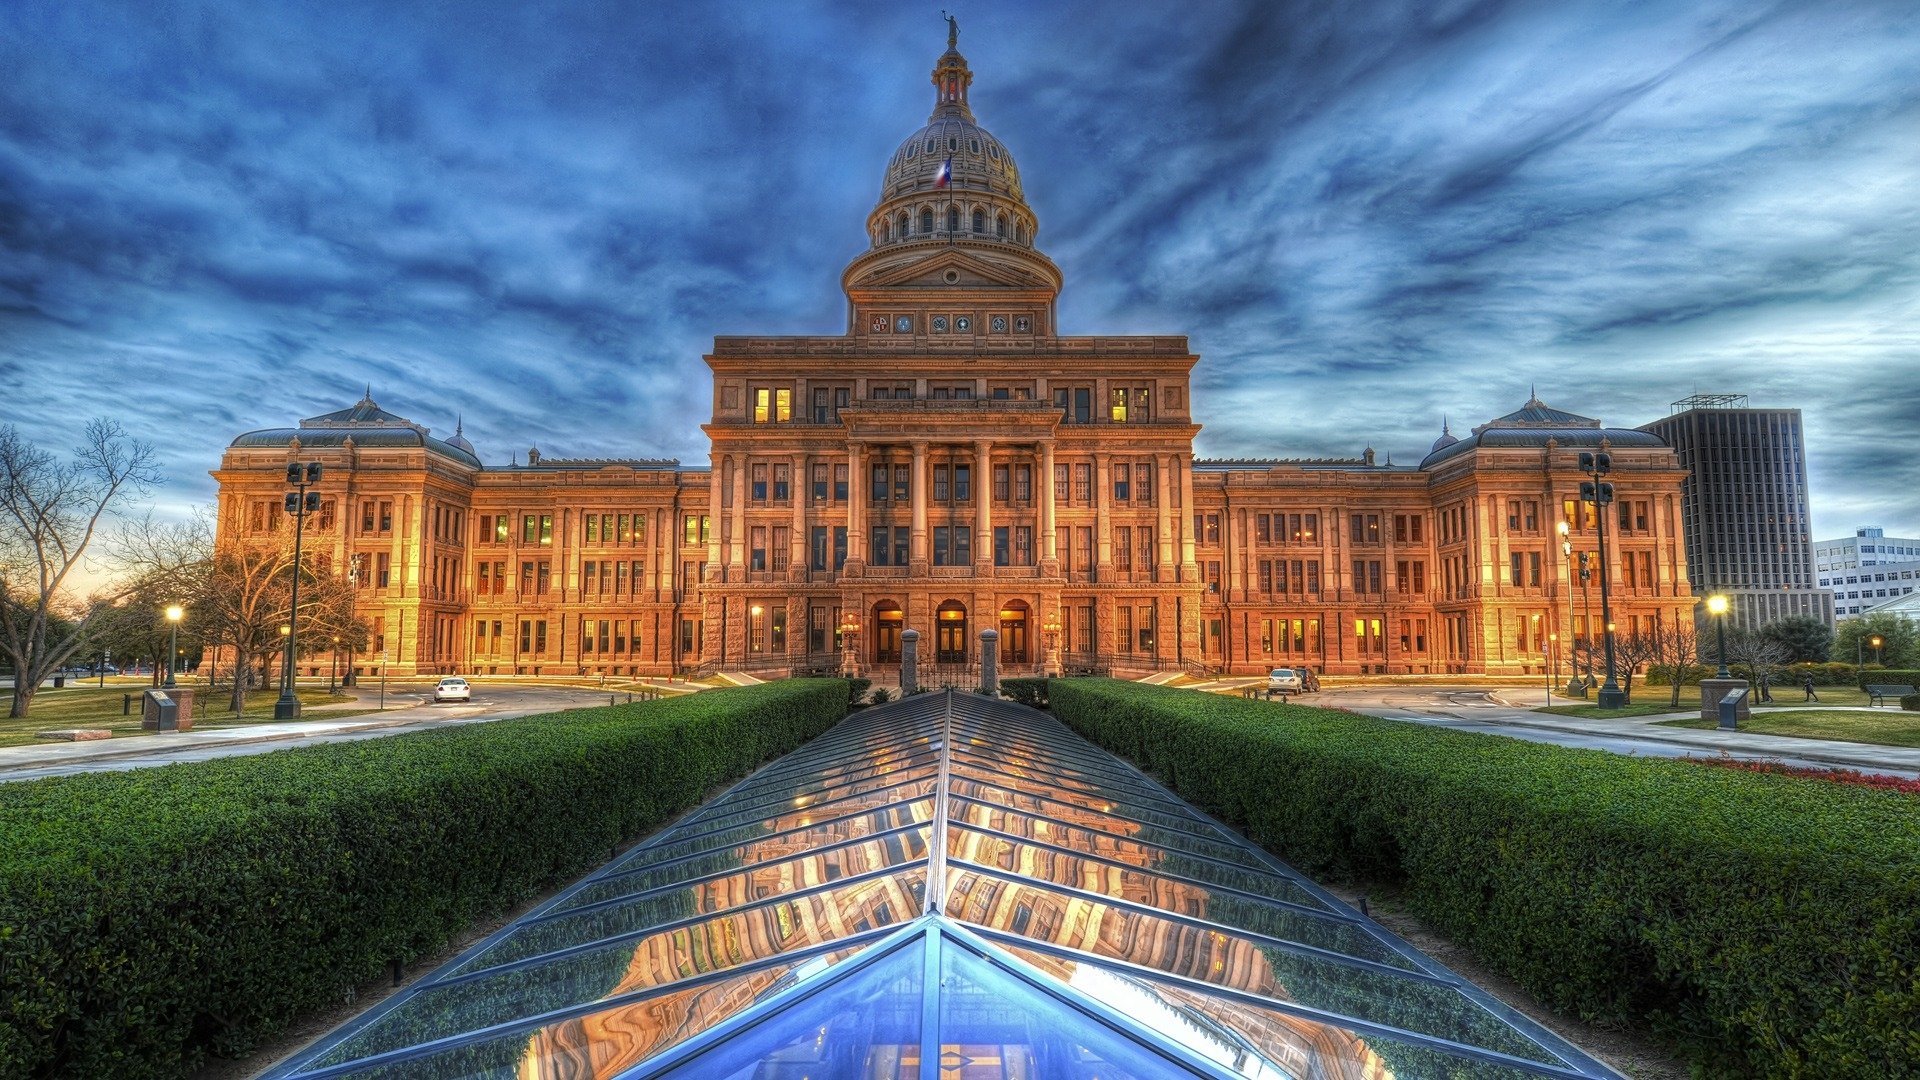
x,y
887,621
950,633
1013,633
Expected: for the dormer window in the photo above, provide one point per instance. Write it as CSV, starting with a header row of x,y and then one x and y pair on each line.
x,y
973,145
953,143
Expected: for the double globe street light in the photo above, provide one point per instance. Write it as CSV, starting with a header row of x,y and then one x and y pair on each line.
x,y
299,502
174,614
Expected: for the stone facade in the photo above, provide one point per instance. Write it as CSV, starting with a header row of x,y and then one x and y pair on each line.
x,y
953,464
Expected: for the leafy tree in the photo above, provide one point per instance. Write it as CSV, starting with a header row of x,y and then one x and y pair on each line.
x,y
1808,639
51,512
1899,640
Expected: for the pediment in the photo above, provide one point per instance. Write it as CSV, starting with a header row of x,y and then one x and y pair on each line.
x,y
952,269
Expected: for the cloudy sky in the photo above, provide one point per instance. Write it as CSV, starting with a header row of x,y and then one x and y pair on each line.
x,y
221,216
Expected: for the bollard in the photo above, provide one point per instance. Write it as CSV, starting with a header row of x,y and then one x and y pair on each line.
x,y
126,704
610,701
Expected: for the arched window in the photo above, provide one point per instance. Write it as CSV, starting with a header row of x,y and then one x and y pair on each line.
x,y
953,143
953,219
929,146
993,152
926,221
1000,226
1018,233
903,224
973,145
979,220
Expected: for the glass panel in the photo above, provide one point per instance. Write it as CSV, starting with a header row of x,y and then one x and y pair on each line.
x,y
996,1026
1257,1042
1230,960
866,1025
1102,801
991,742
801,816
1112,843
605,1043
1187,898
1074,781
812,780
639,964
711,896
743,846
763,803
1124,820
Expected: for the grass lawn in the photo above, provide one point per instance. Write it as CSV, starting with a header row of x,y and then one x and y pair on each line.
x,y
91,707
1886,727
1595,712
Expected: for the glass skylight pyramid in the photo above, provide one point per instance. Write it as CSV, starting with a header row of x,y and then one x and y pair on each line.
x,y
951,888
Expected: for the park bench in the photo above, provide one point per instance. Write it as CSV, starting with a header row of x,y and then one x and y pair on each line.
x,y
1260,692
1878,693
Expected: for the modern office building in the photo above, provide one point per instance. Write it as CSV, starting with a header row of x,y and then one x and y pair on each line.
x,y
953,463
1748,524
1866,570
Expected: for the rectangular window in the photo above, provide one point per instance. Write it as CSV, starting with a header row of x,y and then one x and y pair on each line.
x,y
1123,547
1514,573
1122,483
386,516
382,573
942,488
1083,404
1023,484
1002,546
782,482
963,483
900,537
1000,473
820,482
366,516
879,485
757,548
817,547
1533,569
782,547
840,483
962,545
1083,484
759,475
902,483
839,547
1023,545
940,539
879,548
593,528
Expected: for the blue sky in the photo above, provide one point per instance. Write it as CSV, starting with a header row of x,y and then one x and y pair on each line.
x,y
215,217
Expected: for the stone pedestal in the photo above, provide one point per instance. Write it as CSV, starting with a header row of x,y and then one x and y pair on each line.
x,y
989,661
1712,690
909,662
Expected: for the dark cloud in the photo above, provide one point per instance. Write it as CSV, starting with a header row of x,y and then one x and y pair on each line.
x,y
220,216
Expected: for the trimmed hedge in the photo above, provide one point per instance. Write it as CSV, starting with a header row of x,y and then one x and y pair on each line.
x,y
1766,924
1833,674
1885,676
1911,703
151,917
1026,691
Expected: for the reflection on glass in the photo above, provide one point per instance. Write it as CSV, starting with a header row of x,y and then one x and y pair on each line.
x,y
1094,814
1194,900
606,1043
756,839
814,788
639,964
1063,786
761,882
1257,1042
1068,828
1230,960
765,847
875,793
801,816
867,1025
994,1026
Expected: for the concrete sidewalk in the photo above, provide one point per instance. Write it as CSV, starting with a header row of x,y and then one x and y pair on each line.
x,y
1866,757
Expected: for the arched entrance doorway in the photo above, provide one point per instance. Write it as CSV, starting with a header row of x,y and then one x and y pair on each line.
x,y
887,622
950,633
1014,618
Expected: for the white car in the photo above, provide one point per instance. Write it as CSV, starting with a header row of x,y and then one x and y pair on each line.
x,y
453,688
1284,680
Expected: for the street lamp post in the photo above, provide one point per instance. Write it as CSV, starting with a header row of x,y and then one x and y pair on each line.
x,y
1051,630
333,673
174,615
1574,686
299,502
1878,658
1599,493
1717,607
849,638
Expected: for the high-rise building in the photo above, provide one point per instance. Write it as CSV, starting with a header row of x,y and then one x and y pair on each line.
x,y
1866,569
951,464
1748,525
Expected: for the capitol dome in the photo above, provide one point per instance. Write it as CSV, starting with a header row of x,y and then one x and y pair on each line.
x,y
951,179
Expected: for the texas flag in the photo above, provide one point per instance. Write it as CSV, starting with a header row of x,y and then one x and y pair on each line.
x,y
945,175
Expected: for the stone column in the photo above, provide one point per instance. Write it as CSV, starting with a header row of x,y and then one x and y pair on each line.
x,y
1184,463
909,662
1103,520
1049,550
737,543
1164,465
714,508
800,491
989,660
983,502
856,504
917,552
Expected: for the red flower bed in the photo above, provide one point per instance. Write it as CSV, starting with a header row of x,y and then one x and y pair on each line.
x,y
1837,776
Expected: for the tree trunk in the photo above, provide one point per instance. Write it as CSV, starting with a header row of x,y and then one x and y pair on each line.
x,y
22,696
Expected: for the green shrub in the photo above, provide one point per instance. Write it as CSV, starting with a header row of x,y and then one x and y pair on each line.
x,y
1763,923
1911,703
882,696
150,917
1888,676
857,690
1031,692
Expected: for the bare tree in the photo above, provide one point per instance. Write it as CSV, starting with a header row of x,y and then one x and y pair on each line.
x,y
244,603
51,512
1761,655
1675,646
1629,652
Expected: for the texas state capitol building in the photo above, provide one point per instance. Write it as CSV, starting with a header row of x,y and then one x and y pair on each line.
x,y
954,463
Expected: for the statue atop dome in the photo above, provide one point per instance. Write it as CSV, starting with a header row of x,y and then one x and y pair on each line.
x,y
953,32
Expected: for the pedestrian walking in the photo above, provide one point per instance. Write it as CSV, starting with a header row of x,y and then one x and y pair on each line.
x,y
1811,696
